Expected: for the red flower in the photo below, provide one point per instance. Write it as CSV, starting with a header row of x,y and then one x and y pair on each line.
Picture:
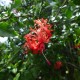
x,y
33,43
58,65
36,39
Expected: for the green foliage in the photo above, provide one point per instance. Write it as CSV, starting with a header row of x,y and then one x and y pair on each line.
x,y
68,13
17,76
15,22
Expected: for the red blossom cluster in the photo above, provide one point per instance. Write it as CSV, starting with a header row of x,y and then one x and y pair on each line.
x,y
57,65
36,39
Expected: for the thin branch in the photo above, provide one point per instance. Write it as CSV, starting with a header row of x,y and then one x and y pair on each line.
x,y
73,65
59,9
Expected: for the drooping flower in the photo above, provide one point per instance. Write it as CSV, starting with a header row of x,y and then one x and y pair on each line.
x,y
36,39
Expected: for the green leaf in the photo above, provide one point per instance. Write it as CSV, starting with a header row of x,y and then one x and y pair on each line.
x,y
4,25
8,33
5,34
6,30
17,3
77,31
68,13
17,76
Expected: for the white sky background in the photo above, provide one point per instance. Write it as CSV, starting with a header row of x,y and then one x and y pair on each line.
x,y
5,3
3,39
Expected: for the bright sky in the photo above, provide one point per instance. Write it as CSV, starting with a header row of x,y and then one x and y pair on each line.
x,y
5,3
3,39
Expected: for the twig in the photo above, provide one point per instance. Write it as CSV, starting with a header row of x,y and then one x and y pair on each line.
x,y
73,65
59,9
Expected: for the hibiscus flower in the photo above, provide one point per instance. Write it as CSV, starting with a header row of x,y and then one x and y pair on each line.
x,y
36,39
